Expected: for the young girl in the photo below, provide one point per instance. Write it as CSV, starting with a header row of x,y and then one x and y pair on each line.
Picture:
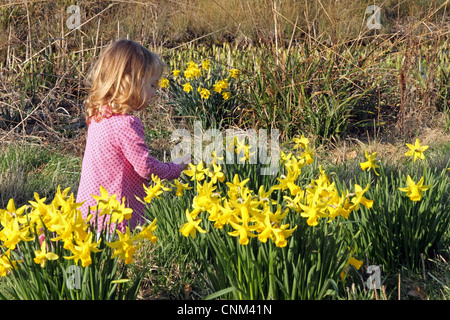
x,y
124,80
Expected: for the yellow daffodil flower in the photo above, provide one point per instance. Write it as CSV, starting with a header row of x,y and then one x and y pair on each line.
x,y
187,87
215,158
414,191
12,233
11,212
196,172
42,256
416,151
192,70
6,264
360,199
226,95
243,231
220,85
124,247
69,228
353,262
313,212
301,142
308,155
206,64
370,163
281,234
284,158
204,93
82,250
147,232
163,83
237,185
265,196
105,202
216,174
234,73
192,226
156,190
121,212
180,187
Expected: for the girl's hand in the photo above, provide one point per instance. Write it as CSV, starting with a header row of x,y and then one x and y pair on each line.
x,y
183,161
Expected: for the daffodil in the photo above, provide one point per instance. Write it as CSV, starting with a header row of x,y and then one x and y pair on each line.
x,y
147,232
243,231
414,191
191,226
155,190
226,95
281,234
215,158
301,142
204,93
105,202
294,203
216,174
192,70
236,186
176,73
38,214
124,247
353,262
163,83
66,205
82,250
245,207
308,155
61,197
187,87
284,158
265,196
266,230
121,212
42,256
180,187
206,64
234,73
360,199
289,181
205,198
69,228
6,264
11,212
416,151
12,233
370,163
220,85
221,214
196,172
313,212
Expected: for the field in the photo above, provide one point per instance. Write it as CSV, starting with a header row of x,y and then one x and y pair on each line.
x,y
360,102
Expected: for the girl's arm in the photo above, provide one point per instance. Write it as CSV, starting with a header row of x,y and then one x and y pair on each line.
x,y
131,139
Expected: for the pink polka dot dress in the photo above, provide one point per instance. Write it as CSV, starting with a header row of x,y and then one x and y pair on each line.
x,y
117,158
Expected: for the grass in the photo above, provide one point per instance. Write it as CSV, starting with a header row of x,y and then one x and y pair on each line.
x,y
25,169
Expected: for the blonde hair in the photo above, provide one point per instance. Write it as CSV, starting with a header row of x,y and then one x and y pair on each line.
x,y
118,79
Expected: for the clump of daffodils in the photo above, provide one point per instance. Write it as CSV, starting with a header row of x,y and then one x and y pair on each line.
x,y
57,230
254,213
196,75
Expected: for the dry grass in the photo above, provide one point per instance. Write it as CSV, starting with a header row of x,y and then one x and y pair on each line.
x,y
44,64
391,152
